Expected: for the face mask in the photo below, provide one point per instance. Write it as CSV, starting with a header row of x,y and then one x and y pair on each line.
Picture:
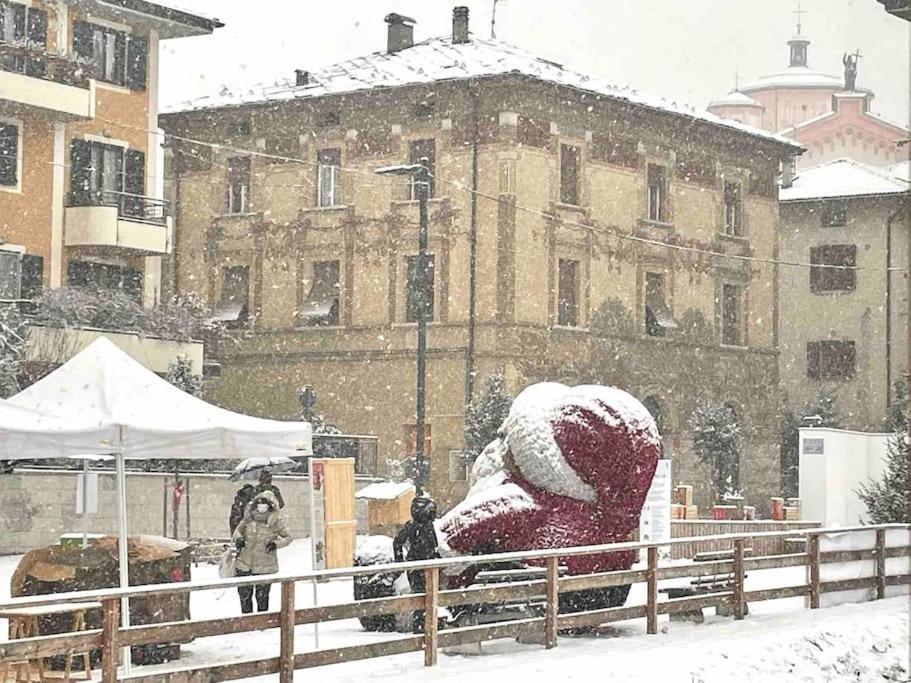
x,y
262,508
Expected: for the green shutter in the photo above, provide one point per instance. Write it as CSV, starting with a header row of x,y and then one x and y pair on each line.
x,y
137,49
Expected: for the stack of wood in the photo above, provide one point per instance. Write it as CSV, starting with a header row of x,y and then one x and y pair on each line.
x,y
786,509
682,503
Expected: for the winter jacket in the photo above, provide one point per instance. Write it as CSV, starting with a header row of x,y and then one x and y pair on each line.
x,y
239,506
254,557
421,540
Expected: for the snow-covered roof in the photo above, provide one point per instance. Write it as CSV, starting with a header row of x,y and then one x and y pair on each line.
x,y
846,178
795,77
735,98
439,59
385,490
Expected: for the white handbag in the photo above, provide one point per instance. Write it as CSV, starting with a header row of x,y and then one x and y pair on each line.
x,y
226,568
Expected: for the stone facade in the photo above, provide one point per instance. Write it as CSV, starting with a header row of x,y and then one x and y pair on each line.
x,y
561,222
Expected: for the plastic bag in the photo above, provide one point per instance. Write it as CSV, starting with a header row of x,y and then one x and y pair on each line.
x,y
226,568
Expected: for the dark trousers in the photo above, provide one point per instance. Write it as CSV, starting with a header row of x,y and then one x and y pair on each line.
x,y
418,583
246,595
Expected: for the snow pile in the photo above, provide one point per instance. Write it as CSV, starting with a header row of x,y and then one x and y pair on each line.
x,y
375,549
385,490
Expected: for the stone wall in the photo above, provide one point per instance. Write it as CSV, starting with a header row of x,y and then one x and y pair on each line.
x,y
37,506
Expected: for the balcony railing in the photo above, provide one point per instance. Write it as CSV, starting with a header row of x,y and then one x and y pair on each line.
x,y
37,63
132,207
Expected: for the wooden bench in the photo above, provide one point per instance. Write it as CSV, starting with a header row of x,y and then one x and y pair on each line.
x,y
703,585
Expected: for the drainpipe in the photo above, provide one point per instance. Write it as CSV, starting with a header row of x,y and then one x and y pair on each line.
x,y
473,248
895,214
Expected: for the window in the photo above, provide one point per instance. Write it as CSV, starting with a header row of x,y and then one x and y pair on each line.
x,y
238,184
658,316
10,275
831,359
411,440
835,213
733,209
9,155
657,189
730,315
103,174
826,278
420,289
458,466
32,282
568,293
328,172
105,277
112,56
569,174
321,305
233,307
26,27
423,149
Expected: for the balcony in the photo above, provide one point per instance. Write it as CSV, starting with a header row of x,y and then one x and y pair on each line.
x,y
118,219
50,83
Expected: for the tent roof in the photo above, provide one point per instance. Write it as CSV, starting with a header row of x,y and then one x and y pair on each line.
x,y
27,433
102,385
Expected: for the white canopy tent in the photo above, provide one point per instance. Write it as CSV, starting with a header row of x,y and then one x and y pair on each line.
x,y
106,402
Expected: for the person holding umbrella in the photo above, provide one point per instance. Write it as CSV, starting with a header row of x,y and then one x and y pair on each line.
x,y
265,484
239,506
257,539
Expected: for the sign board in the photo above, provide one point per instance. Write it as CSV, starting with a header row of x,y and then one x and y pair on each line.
x,y
814,446
655,520
87,493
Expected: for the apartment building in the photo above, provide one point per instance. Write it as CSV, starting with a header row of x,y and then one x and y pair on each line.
x,y
579,232
80,185
844,328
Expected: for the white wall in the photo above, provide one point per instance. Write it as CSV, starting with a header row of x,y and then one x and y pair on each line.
x,y
833,465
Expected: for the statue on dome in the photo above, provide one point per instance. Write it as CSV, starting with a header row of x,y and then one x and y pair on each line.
x,y
850,63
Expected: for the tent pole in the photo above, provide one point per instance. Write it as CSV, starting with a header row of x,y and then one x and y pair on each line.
x,y
122,541
85,503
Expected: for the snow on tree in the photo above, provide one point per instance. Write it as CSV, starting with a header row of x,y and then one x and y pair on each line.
x,y
896,416
820,412
12,348
180,374
484,416
716,440
889,499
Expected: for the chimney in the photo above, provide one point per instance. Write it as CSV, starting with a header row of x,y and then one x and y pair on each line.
x,y
459,25
301,77
400,34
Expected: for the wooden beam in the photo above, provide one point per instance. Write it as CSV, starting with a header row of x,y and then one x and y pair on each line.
x,y
309,660
185,631
775,561
552,607
698,602
110,626
776,593
651,614
523,590
880,559
899,580
286,647
212,672
695,570
602,580
396,604
601,616
484,632
49,646
431,602
813,563
847,585
737,597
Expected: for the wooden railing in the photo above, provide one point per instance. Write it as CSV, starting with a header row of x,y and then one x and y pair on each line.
x,y
111,637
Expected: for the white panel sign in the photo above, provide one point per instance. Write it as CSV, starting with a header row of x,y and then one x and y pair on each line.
x,y
655,520
317,514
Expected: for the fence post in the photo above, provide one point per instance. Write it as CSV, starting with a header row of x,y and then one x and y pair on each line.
x,y
110,627
813,563
879,556
553,604
651,609
738,579
431,601
286,622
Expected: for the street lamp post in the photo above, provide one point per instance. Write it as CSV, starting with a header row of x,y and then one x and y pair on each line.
x,y
421,177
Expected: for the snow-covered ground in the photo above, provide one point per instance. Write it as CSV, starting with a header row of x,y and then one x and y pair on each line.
x,y
778,640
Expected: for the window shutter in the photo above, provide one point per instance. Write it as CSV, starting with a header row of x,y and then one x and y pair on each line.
x,y
813,360
80,172
9,154
134,181
18,22
82,40
32,281
120,58
137,48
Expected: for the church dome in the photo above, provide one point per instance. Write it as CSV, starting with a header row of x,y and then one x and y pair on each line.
x,y
795,77
735,98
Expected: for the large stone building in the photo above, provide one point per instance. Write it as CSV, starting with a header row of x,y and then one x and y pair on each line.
x,y
845,329
80,188
578,231
829,115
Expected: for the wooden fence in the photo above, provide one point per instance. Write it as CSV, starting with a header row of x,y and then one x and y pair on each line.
x,y
762,545
111,637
